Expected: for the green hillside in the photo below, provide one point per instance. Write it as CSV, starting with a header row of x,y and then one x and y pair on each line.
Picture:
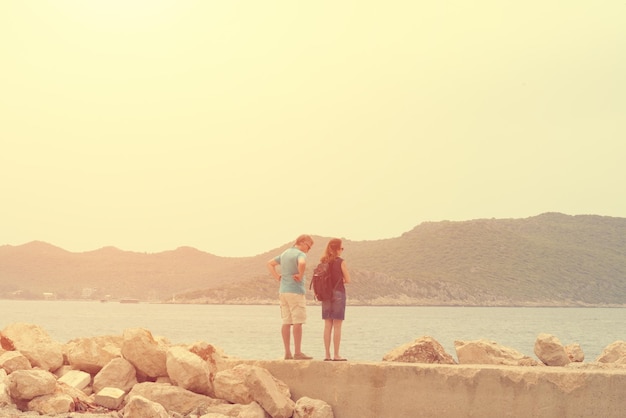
x,y
547,260
551,259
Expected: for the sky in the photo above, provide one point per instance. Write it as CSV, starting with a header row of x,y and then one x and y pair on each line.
x,y
235,126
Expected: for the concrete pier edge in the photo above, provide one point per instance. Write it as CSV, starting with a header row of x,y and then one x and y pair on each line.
x,y
387,389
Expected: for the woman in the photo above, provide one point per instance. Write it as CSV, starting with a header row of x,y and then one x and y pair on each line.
x,y
333,310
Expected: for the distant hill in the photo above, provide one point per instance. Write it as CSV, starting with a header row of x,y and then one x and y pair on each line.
x,y
547,260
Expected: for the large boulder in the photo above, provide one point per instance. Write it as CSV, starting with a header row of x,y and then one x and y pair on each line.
x,y
5,398
490,352
173,398
189,371
118,373
140,407
422,350
56,403
214,356
251,410
75,393
144,352
28,384
550,351
575,353
245,383
91,354
35,344
312,408
613,353
14,360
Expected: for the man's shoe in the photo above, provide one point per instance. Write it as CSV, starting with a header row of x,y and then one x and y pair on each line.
x,y
288,357
301,356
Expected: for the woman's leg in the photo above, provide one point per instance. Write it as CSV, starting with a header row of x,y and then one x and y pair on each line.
x,y
328,328
336,326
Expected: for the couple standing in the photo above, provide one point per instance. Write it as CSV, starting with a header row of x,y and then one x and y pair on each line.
x,y
292,294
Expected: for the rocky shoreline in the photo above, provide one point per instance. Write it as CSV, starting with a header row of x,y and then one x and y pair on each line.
x,y
139,375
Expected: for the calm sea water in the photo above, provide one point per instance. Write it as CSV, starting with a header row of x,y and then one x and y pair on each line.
x,y
253,331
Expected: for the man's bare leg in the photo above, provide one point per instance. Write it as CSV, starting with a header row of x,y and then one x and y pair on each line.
x,y
297,338
286,333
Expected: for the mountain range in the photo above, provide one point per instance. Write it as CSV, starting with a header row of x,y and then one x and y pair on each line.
x,y
551,259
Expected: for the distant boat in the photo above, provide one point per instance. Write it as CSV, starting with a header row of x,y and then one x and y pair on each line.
x,y
129,300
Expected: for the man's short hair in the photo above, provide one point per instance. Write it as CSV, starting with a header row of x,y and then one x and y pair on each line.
x,y
304,238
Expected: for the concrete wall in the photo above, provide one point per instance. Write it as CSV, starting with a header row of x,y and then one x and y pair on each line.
x,y
394,390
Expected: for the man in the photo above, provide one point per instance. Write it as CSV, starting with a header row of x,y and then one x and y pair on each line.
x,y
292,293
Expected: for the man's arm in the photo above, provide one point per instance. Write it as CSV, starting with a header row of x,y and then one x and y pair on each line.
x,y
301,267
271,266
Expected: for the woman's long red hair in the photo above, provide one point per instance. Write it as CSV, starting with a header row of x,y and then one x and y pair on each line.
x,y
332,250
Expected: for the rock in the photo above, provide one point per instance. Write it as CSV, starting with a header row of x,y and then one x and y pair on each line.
x,y
11,411
28,384
422,350
35,344
245,383
231,385
140,407
76,378
550,351
14,360
312,408
251,410
5,344
5,398
144,352
62,370
575,353
76,394
110,398
613,353
173,398
490,352
214,356
57,403
117,373
189,371
91,354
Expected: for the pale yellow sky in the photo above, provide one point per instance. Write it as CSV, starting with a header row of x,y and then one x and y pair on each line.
x,y
234,126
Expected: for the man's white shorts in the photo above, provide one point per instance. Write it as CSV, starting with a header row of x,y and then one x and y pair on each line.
x,y
293,308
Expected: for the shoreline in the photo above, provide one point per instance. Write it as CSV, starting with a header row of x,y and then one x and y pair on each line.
x,y
315,303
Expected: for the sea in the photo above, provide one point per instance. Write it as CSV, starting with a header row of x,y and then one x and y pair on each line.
x,y
368,333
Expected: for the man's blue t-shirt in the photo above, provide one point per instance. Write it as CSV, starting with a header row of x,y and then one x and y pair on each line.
x,y
288,261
